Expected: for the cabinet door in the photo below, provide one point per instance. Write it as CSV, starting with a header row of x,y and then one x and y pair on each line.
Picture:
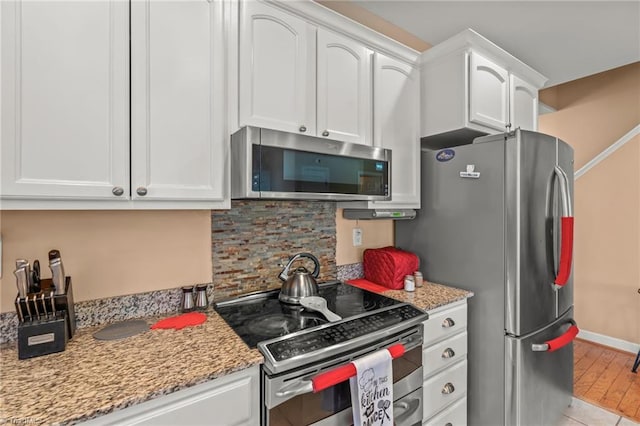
x,y
277,69
488,93
523,104
396,118
344,88
65,99
178,144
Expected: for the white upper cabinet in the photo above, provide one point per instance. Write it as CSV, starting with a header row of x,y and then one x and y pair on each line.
x,y
344,88
523,104
178,141
277,69
472,87
297,77
488,93
65,99
68,107
396,126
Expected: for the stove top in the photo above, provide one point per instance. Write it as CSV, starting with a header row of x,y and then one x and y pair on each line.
x,y
261,316
291,337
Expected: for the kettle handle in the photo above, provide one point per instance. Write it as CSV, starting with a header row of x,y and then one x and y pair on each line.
x,y
284,274
316,268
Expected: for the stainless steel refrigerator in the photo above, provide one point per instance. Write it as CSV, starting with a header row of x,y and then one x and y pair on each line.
x,y
496,218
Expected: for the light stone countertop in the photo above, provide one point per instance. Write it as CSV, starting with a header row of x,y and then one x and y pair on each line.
x,y
430,295
91,377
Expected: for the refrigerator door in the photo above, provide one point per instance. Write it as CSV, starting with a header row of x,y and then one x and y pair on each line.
x,y
538,385
459,237
530,199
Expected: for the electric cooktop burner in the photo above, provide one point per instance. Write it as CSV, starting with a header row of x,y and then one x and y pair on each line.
x,y
261,316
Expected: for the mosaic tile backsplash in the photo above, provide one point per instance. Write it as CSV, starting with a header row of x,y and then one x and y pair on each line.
x,y
251,243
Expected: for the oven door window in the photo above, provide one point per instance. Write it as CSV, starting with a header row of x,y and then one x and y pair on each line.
x,y
313,407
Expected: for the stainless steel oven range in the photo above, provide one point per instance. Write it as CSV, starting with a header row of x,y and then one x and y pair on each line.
x,y
299,346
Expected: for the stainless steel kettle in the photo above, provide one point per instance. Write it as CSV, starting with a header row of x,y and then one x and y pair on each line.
x,y
300,283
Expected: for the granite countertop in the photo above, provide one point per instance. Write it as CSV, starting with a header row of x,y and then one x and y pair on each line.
x,y
430,295
92,377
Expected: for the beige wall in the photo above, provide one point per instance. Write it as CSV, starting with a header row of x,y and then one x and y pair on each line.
x,y
593,113
375,234
109,253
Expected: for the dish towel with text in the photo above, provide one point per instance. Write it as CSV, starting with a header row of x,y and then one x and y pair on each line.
x,y
372,390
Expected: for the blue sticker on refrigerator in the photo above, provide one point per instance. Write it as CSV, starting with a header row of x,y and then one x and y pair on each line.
x,y
445,155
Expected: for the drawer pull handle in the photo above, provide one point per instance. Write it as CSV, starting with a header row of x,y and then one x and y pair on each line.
x,y
449,424
448,389
448,353
448,322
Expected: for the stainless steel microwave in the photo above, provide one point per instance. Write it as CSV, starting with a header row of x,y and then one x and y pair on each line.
x,y
280,165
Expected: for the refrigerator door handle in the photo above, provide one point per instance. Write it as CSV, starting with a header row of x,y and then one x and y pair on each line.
x,y
566,245
559,342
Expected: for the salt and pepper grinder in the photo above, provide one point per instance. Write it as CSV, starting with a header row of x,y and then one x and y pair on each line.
x,y
202,302
418,278
409,284
187,299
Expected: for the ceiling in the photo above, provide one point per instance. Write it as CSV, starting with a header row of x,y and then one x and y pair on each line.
x,y
563,40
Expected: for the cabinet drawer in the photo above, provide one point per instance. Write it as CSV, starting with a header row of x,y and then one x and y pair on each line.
x,y
444,388
443,354
445,323
455,415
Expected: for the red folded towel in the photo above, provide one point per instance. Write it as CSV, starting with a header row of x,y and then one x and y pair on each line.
x,y
368,285
181,321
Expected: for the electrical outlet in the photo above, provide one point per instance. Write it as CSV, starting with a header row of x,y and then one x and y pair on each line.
x,y
357,237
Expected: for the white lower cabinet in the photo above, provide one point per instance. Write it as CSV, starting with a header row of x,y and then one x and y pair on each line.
x,y
444,364
453,415
231,400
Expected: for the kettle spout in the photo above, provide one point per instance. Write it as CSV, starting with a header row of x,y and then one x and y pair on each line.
x,y
284,274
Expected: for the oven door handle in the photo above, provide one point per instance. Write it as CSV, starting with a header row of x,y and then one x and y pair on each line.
x,y
329,378
340,374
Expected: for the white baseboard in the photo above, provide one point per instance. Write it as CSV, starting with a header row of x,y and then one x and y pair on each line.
x,y
612,342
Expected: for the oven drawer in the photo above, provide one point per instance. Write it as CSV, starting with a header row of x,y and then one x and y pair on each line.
x,y
443,354
454,415
407,411
444,388
443,324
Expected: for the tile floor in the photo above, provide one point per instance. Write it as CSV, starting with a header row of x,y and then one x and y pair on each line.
x,y
582,413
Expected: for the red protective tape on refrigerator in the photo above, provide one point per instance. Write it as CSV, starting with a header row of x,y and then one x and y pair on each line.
x,y
563,340
566,251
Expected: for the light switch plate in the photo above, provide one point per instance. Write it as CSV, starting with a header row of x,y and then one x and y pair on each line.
x,y
357,237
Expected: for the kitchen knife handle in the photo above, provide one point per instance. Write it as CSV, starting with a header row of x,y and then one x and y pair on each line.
x,y
561,341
